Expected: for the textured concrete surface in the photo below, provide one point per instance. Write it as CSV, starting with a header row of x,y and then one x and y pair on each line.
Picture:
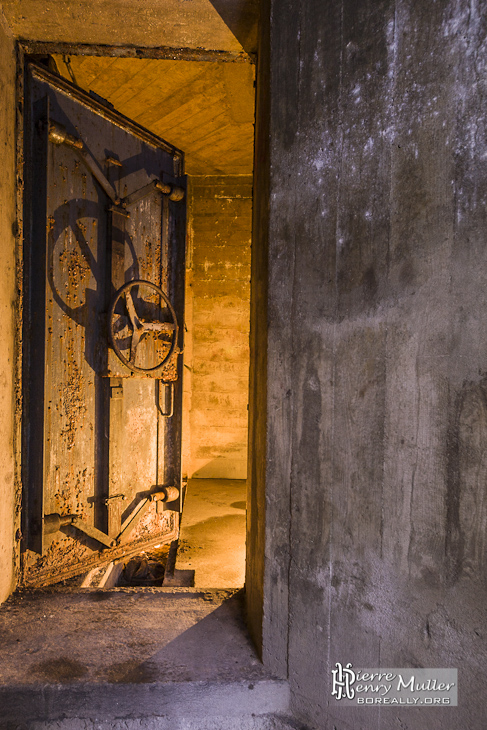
x,y
212,539
140,635
130,653
377,351
185,702
204,108
369,383
258,558
196,24
217,342
225,722
8,294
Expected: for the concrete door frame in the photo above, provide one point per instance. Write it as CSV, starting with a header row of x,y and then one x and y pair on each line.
x,y
270,412
256,513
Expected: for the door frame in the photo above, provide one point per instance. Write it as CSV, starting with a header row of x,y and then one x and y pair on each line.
x,y
34,240
256,563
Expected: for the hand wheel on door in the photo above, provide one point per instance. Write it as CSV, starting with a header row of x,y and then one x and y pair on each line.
x,y
142,326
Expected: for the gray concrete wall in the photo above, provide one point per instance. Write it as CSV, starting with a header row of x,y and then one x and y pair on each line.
x,y
7,307
376,371
217,319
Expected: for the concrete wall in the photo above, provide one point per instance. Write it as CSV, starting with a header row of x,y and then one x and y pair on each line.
x,y
376,368
260,410
7,307
145,23
217,318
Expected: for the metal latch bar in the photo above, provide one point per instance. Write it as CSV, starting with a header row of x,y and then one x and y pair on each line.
x,y
169,411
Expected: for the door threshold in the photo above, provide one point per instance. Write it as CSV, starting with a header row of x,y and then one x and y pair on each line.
x,y
90,653
156,568
201,591
149,568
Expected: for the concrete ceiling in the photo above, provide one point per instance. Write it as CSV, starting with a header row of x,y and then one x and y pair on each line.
x,y
204,108
228,25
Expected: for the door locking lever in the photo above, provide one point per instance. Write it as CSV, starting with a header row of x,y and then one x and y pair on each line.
x,y
112,497
106,500
58,135
53,523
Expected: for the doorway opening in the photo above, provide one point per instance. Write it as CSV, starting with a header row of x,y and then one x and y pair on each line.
x,y
206,108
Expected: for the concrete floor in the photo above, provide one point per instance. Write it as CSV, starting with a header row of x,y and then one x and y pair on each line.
x,y
156,652
124,635
129,652
212,540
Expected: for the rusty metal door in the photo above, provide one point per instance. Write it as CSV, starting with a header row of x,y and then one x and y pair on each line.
x,y
102,339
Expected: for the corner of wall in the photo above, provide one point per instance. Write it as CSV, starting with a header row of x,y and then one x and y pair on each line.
x,y
257,443
7,307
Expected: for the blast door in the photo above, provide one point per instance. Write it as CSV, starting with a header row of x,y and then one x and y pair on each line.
x,y
103,326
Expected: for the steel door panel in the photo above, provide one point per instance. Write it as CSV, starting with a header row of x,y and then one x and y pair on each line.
x,y
95,442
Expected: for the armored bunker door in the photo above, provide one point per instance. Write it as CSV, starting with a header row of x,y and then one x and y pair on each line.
x,y
102,340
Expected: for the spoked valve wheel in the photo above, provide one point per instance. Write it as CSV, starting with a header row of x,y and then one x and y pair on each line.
x,y
145,339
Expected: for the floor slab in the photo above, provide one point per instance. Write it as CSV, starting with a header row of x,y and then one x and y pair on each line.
x,y
113,653
125,635
212,540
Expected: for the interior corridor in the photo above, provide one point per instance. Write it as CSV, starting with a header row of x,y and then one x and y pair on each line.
x,y
212,539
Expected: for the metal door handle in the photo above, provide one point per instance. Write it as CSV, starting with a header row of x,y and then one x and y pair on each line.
x,y
162,389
